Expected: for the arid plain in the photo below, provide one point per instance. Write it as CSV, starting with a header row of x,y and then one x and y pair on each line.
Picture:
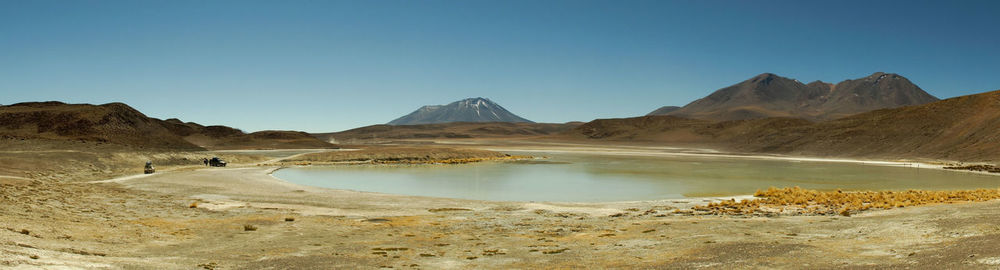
x,y
189,216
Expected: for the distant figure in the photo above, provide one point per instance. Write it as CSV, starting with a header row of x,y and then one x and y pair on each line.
x,y
205,160
149,168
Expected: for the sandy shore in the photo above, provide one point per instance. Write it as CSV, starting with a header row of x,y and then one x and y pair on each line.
x,y
661,151
197,217
698,152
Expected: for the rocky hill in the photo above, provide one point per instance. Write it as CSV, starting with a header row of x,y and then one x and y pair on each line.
x,y
770,95
117,123
114,123
466,110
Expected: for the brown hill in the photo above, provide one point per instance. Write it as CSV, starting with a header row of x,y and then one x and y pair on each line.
x,y
964,128
729,135
769,95
268,139
227,138
117,123
647,128
961,128
446,130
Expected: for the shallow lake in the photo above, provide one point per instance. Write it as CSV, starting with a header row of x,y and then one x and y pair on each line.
x,y
601,178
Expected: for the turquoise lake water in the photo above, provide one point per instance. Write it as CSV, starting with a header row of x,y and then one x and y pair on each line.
x,y
601,178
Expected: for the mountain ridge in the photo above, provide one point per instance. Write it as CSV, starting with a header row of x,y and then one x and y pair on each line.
x,y
120,124
965,128
770,95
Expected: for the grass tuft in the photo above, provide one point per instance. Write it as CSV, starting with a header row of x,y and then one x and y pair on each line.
x,y
797,200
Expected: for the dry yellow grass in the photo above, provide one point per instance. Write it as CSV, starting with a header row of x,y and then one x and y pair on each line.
x,y
804,201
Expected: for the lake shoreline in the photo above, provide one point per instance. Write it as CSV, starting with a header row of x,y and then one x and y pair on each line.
x,y
653,152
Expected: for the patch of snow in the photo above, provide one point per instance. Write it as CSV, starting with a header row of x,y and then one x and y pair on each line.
x,y
880,78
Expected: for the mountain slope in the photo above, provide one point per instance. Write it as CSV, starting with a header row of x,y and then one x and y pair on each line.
x,y
770,95
960,128
268,139
663,110
466,110
877,91
119,124
965,128
765,95
115,123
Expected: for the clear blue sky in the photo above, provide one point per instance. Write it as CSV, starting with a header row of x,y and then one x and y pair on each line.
x,y
333,65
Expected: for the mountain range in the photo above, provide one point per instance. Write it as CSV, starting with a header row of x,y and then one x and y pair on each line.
x,y
770,95
466,110
774,115
965,128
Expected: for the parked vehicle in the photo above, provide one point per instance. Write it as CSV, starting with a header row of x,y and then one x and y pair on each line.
x,y
216,162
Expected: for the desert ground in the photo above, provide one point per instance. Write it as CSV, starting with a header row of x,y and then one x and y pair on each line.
x,y
93,208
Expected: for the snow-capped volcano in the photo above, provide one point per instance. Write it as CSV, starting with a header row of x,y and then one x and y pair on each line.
x,y
466,110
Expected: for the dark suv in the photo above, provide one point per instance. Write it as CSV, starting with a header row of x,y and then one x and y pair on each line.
x,y
216,162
